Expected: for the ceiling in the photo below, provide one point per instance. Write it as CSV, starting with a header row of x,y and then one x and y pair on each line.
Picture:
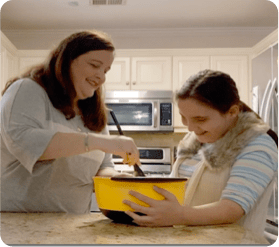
x,y
138,15
59,14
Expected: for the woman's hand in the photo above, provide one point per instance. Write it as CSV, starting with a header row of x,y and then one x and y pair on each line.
x,y
165,212
119,145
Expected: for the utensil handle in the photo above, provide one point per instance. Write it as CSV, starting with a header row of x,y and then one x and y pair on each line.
x,y
137,169
116,123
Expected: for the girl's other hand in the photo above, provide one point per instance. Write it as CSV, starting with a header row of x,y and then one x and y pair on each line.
x,y
165,212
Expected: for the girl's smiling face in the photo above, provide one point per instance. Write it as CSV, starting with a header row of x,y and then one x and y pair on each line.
x,y
208,124
88,72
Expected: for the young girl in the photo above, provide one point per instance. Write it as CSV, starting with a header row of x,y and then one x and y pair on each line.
x,y
235,160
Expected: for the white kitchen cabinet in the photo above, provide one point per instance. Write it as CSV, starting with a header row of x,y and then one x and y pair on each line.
x,y
140,73
237,68
183,68
151,73
118,77
186,66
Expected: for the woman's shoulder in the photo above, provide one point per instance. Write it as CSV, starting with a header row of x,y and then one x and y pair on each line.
x,y
262,147
23,93
25,89
26,85
263,140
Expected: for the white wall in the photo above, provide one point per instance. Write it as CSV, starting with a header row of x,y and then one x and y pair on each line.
x,y
149,39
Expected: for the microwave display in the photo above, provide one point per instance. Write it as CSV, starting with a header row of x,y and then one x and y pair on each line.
x,y
132,114
155,154
151,154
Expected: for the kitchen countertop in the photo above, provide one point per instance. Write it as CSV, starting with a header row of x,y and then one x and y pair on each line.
x,y
95,228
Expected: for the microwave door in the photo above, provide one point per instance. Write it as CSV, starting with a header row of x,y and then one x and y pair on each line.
x,y
132,115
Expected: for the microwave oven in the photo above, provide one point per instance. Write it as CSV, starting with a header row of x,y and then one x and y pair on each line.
x,y
141,110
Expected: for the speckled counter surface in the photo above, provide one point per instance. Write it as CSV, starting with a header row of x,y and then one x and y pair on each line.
x,y
94,228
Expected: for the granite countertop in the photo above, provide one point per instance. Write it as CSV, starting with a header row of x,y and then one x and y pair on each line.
x,y
95,228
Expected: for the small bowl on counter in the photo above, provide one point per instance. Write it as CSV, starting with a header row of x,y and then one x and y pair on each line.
x,y
110,193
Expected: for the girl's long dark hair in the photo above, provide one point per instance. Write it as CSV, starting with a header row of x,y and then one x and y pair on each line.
x,y
217,90
54,76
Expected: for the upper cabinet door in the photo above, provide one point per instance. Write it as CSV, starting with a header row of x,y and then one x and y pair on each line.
x,y
118,77
237,68
184,67
151,73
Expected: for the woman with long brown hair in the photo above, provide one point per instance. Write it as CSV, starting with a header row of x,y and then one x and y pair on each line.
x,y
53,129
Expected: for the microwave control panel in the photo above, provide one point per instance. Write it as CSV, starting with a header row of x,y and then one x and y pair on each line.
x,y
165,114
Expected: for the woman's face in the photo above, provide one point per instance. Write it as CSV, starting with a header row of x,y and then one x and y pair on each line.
x,y
208,124
88,72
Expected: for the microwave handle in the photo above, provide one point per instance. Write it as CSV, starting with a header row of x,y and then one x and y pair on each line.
x,y
155,114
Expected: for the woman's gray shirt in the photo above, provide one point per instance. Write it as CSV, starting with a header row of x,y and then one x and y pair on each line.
x,y
28,123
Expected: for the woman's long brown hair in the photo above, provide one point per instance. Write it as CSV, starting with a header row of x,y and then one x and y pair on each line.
x,y
54,76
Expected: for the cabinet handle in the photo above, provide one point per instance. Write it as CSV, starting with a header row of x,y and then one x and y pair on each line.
x,y
134,83
127,83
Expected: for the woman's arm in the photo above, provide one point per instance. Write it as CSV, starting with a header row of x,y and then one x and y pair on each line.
x,y
69,144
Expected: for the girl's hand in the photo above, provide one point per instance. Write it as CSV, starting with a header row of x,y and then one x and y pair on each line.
x,y
165,212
